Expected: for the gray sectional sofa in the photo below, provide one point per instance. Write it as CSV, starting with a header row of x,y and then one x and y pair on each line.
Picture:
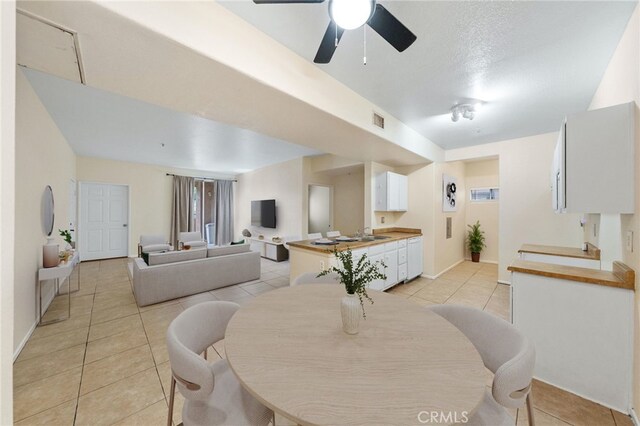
x,y
171,275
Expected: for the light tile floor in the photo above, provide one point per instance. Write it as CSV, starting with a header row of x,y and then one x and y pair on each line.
x,y
108,364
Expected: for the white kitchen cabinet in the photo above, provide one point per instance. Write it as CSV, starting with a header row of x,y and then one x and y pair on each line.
x,y
593,165
391,263
377,284
392,192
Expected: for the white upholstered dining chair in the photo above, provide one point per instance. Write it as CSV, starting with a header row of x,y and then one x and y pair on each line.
x,y
213,395
312,278
506,352
314,236
333,234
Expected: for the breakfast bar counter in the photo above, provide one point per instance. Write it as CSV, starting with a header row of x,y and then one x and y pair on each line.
x,y
380,236
401,250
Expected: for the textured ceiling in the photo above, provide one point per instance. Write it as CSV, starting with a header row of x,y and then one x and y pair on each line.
x,y
102,124
531,62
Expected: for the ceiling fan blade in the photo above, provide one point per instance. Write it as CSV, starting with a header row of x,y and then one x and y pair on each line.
x,y
286,1
392,30
328,44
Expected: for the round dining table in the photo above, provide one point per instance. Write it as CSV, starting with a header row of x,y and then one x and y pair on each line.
x,y
406,364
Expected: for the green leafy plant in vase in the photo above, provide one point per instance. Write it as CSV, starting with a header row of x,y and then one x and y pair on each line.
x,y
475,241
66,235
355,276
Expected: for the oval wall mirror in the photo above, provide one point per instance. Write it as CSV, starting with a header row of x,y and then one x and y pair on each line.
x,y
47,211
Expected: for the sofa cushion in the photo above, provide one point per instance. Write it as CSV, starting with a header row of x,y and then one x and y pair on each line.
x,y
214,251
175,256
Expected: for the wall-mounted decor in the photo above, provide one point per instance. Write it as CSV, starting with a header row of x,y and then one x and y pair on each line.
x,y
47,211
449,197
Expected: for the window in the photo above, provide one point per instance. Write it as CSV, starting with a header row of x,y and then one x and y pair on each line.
x,y
203,206
484,194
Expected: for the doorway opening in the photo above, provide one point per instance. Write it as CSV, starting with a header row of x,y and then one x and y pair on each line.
x,y
320,209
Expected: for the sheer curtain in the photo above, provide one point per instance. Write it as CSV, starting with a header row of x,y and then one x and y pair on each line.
x,y
224,212
182,207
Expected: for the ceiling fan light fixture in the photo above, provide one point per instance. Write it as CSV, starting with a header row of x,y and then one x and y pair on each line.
x,y
351,14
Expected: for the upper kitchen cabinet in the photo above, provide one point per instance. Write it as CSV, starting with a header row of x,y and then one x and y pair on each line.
x,y
391,192
593,166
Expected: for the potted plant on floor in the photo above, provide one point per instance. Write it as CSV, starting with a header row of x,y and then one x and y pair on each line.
x,y
475,241
355,278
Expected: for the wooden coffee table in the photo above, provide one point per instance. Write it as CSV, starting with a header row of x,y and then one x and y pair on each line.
x,y
288,350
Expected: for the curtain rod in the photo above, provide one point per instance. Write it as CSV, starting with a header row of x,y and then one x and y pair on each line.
x,y
203,178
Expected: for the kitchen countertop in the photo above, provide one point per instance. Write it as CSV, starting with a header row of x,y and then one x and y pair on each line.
x,y
621,277
593,252
394,234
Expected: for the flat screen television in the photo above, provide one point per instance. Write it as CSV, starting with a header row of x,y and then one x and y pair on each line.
x,y
263,213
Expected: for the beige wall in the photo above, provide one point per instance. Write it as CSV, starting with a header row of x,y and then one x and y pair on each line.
x,y
621,83
150,192
483,174
425,212
421,211
525,213
448,252
7,211
43,158
282,182
348,202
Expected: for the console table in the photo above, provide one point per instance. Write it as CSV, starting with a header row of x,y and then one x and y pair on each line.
x,y
270,249
58,273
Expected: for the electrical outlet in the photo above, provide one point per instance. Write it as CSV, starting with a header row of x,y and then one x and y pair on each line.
x,y
630,241
322,265
382,220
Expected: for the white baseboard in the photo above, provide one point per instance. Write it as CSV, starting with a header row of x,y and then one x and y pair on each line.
x,y
634,417
586,397
16,353
504,282
24,341
433,277
491,262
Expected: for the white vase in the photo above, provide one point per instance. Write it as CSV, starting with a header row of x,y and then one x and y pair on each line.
x,y
351,312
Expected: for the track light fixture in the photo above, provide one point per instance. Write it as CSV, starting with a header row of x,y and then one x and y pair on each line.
x,y
467,111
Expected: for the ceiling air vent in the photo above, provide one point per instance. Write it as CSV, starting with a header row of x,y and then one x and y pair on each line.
x,y
378,120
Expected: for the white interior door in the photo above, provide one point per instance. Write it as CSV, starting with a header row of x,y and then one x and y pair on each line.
x,y
104,221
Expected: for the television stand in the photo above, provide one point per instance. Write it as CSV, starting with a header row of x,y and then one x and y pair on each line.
x,y
269,249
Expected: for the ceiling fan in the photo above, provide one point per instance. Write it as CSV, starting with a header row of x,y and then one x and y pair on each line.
x,y
352,14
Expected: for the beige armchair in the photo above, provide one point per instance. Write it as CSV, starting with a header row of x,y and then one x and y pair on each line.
x,y
152,244
193,239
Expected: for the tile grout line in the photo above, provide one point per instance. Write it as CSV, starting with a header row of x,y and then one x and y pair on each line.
x,y
84,358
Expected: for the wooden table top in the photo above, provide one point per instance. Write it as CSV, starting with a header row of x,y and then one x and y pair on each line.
x,y
621,276
288,350
593,252
392,236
